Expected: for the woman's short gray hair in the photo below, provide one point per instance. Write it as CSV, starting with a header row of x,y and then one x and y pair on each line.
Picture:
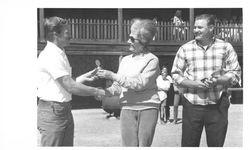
x,y
145,28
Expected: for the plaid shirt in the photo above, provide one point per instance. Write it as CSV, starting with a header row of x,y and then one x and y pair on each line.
x,y
193,62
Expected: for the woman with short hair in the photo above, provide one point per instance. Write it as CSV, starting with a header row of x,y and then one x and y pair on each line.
x,y
135,82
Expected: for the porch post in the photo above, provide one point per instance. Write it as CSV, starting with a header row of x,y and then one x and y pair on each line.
x,y
191,21
120,20
41,20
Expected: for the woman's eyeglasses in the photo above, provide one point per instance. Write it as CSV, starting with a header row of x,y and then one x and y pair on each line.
x,y
132,39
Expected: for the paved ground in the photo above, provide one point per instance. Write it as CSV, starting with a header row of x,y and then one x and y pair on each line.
x,y
93,129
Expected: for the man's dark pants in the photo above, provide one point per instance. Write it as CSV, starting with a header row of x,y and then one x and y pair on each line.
x,y
55,123
213,117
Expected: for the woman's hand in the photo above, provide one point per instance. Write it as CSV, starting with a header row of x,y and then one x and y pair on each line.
x,y
106,74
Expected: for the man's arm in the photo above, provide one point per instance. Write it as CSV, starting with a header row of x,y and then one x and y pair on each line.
x,y
177,73
232,70
193,84
77,88
89,76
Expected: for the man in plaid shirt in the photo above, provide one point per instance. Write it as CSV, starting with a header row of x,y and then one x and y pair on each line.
x,y
203,68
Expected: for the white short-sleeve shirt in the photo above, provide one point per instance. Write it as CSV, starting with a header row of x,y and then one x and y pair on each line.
x,y
52,64
163,84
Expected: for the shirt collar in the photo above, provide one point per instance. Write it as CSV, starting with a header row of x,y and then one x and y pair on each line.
x,y
208,46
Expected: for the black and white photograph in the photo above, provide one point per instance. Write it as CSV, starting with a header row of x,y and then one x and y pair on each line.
x,y
131,69
124,76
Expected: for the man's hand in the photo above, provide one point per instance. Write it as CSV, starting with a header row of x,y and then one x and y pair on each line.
x,y
211,82
106,74
100,94
93,78
201,85
89,76
91,73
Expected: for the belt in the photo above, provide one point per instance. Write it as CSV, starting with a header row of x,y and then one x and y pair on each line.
x,y
223,95
52,102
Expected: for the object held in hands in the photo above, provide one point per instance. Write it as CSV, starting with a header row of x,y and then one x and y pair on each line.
x,y
204,79
98,64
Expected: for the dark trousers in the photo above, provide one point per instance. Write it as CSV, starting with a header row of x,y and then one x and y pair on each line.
x,y
213,117
55,123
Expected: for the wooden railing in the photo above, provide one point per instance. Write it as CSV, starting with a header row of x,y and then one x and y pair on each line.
x,y
229,32
94,29
166,31
108,30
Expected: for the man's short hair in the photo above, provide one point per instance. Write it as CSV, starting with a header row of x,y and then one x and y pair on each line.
x,y
210,18
53,24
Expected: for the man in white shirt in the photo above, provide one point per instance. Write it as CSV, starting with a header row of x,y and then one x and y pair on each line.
x,y
55,86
